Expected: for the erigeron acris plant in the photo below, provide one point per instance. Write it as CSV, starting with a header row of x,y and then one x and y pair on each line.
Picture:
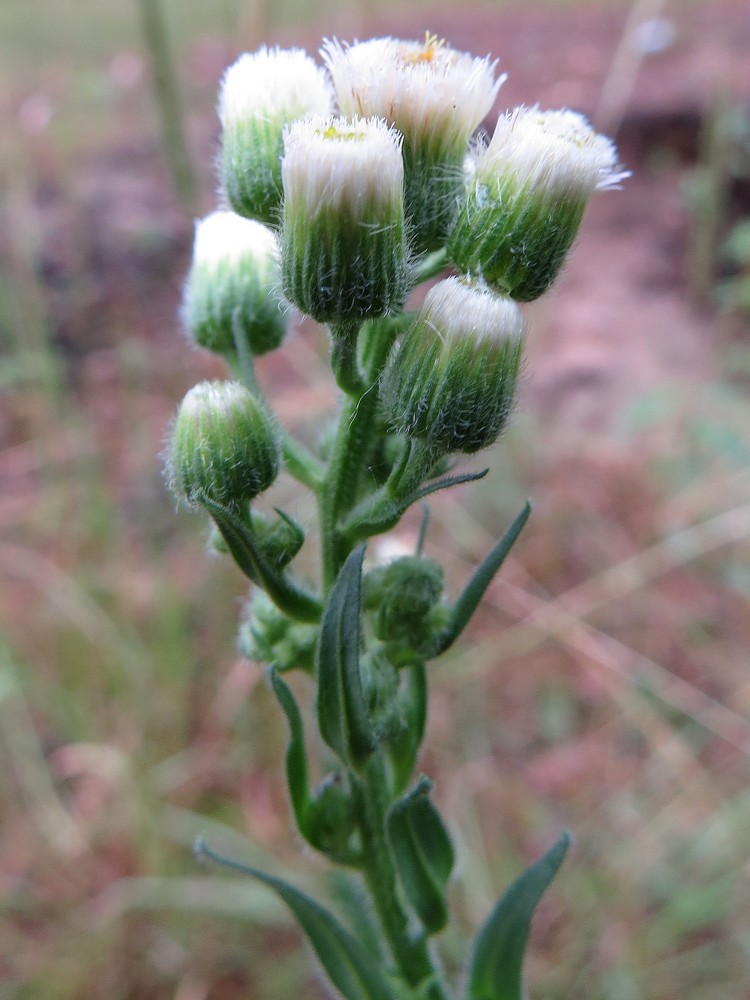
x,y
347,186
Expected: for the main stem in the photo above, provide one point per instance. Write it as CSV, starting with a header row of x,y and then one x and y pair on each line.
x,y
351,448
409,950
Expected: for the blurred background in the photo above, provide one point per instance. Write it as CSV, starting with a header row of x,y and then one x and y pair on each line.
x,y
604,686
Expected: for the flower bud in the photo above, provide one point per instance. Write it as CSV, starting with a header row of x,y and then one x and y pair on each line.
x,y
332,817
260,94
224,446
268,635
452,382
343,247
233,288
527,196
436,97
403,596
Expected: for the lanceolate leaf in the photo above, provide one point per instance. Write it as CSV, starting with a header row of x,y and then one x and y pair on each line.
x,y
342,712
403,746
496,967
296,758
467,603
423,853
351,969
372,517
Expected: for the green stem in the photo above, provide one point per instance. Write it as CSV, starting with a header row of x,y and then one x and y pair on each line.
x,y
344,359
300,463
339,489
410,951
351,449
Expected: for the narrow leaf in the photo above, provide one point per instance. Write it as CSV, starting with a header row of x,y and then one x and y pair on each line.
x,y
423,853
296,757
342,711
467,603
350,967
496,967
377,514
403,746
240,542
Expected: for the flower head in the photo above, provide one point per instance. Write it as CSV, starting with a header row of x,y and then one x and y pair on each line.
x,y
555,153
224,446
452,382
260,94
344,251
436,97
526,198
429,91
233,288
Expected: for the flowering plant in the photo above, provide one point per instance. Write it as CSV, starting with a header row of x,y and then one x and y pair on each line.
x,y
347,187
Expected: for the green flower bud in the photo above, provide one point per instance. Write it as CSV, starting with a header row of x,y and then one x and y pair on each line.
x,y
452,381
267,635
527,196
260,94
233,288
343,247
402,596
224,446
333,817
436,97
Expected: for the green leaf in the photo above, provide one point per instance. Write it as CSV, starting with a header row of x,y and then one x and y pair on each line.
x,y
467,603
342,710
296,603
350,967
378,513
296,757
423,853
403,746
496,966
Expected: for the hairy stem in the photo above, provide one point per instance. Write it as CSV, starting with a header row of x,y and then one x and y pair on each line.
x,y
409,949
351,448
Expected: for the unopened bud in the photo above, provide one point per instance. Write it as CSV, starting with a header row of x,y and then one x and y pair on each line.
x,y
403,596
224,446
260,94
452,382
233,289
344,249
527,196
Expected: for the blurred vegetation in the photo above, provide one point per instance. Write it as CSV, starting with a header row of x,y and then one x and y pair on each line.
x,y
614,701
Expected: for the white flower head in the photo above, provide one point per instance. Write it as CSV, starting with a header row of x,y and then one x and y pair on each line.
x,y
274,84
233,288
339,163
553,152
452,381
224,236
344,251
429,91
469,311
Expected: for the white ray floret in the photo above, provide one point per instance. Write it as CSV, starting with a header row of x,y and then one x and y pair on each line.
x,y
553,152
225,236
461,310
338,162
426,89
274,84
